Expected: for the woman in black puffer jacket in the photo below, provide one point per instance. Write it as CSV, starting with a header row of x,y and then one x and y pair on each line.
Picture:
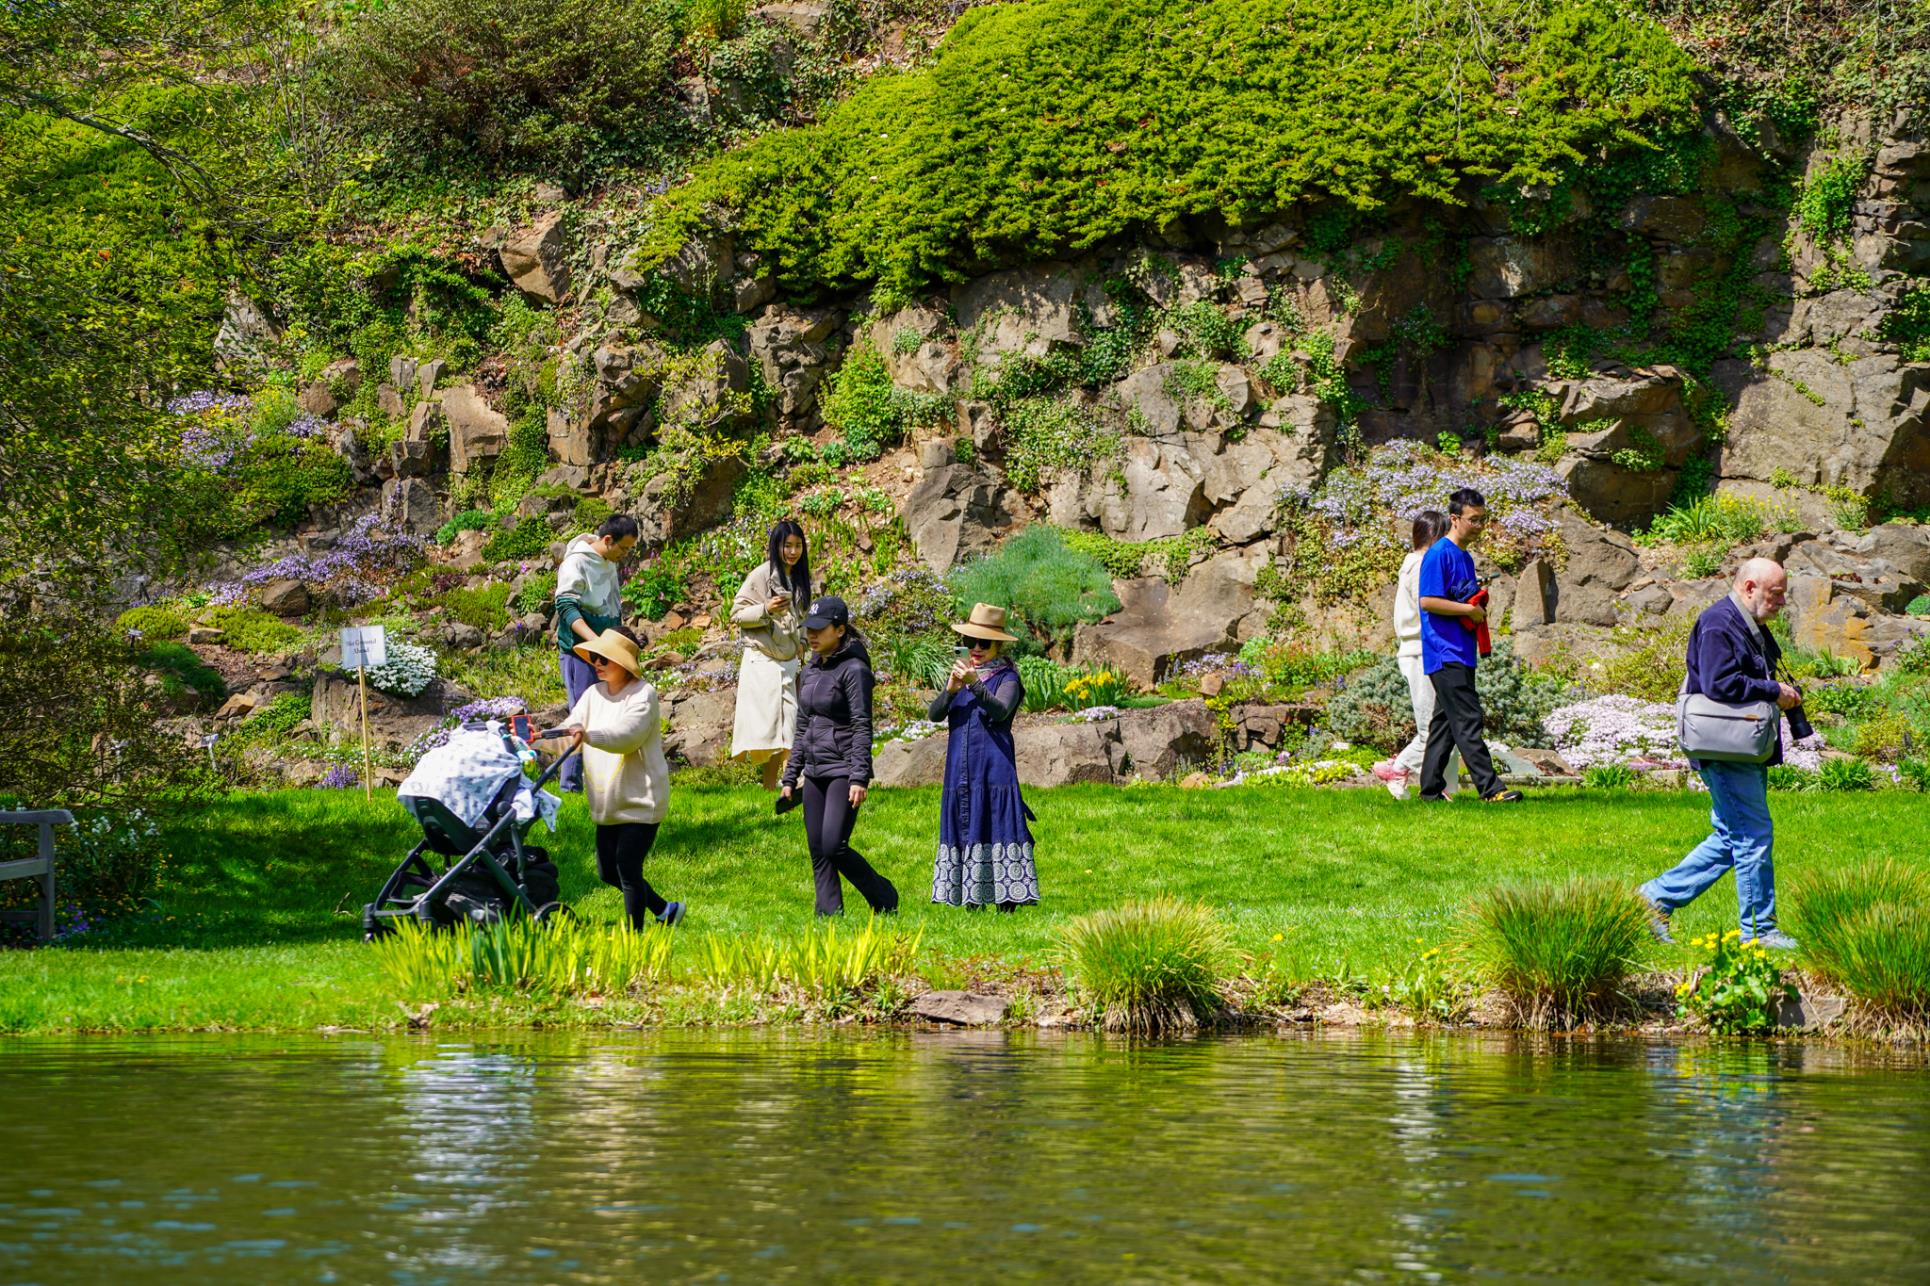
x,y
831,757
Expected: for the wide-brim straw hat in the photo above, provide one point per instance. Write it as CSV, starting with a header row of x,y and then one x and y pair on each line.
x,y
985,622
612,647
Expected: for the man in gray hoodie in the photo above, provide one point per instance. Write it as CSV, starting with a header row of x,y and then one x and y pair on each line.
x,y
589,600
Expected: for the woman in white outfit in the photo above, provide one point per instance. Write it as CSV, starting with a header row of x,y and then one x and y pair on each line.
x,y
769,608
1429,526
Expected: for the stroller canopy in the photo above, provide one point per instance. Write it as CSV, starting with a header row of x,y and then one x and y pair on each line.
x,y
468,772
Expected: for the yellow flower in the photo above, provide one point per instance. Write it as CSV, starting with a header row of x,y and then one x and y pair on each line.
x,y
1681,988
1279,937
1732,935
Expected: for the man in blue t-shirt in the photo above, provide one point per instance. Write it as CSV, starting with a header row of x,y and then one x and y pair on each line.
x,y
1448,654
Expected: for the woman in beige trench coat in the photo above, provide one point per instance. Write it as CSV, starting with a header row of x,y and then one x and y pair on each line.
x,y
769,608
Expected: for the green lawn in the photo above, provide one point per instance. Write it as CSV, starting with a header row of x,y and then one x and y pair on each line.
x,y
262,896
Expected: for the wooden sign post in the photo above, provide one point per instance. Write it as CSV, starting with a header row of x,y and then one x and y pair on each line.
x,y
362,647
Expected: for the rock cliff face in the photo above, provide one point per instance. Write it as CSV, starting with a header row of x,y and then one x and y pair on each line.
x,y
1697,331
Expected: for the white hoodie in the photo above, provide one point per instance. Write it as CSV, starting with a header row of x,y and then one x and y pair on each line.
x,y
590,578
1407,605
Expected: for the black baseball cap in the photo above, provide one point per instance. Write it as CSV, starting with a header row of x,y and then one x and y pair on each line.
x,y
827,611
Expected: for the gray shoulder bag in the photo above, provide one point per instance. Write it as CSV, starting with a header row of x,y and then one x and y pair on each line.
x,y
1737,734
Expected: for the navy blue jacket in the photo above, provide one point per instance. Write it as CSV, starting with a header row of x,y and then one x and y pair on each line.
x,y
1729,663
834,717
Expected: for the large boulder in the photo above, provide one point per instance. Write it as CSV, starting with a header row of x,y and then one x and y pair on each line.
x,y
1154,489
627,381
536,260
1507,268
911,763
1291,448
1601,564
669,507
709,389
394,722
1059,754
1861,425
477,430
411,504
1161,739
339,381
285,597
954,511
1159,625
700,725
914,354
1836,616
1627,434
794,348
1022,312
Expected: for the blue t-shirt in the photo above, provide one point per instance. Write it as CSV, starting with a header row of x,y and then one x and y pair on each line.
x,y
1447,571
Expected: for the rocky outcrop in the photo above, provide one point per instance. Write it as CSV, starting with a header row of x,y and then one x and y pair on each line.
x,y
1601,564
955,511
477,430
535,259
700,725
1628,436
1025,312
1159,625
793,349
1860,425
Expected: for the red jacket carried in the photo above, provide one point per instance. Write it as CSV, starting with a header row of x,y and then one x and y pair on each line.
x,y
1482,643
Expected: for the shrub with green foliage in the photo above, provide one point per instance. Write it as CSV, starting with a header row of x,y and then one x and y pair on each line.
x,y
1908,324
1374,707
183,671
1741,989
862,404
1559,953
538,594
249,629
1047,588
1030,133
567,88
529,538
1046,434
657,587
158,621
1866,928
467,520
487,608
1149,966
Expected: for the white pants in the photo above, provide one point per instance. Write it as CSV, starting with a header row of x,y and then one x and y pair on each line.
x,y
1420,693
766,707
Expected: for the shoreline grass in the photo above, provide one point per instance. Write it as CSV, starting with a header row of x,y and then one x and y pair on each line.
x,y
258,922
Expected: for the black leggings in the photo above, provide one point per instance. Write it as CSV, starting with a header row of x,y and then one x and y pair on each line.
x,y
620,850
828,819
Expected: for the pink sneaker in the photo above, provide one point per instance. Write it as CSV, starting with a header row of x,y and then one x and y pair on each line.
x,y
1395,779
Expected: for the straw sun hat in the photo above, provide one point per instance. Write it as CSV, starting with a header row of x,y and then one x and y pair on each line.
x,y
985,622
612,647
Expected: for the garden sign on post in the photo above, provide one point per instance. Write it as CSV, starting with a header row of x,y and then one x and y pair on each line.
x,y
362,647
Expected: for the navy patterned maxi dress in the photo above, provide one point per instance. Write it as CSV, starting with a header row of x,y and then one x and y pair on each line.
x,y
984,845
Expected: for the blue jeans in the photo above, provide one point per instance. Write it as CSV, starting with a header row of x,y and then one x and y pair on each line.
x,y
578,678
1741,838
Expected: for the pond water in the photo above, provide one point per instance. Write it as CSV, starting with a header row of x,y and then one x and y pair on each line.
x,y
760,1156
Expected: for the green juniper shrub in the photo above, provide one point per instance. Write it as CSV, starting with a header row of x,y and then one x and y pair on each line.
x,y
155,622
1049,588
1920,605
920,165
1147,967
487,609
529,538
467,520
249,629
1560,953
1866,928
1374,709
183,671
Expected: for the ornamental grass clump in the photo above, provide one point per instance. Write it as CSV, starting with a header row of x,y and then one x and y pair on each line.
x,y
1559,953
1866,929
1147,967
562,956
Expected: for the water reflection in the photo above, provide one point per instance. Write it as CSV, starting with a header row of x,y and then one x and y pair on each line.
x,y
952,1157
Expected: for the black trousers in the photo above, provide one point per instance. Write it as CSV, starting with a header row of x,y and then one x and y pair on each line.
x,y
1456,725
620,850
828,819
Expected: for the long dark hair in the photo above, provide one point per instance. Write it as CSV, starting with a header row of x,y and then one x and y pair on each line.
x,y
1429,526
799,581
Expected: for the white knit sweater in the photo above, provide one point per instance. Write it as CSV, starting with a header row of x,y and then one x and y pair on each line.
x,y
625,775
1407,605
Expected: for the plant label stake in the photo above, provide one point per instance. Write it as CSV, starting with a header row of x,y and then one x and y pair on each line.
x,y
363,646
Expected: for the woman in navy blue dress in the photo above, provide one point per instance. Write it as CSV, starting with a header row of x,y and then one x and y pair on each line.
x,y
984,845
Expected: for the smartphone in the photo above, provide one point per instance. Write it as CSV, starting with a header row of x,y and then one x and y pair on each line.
x,y
961,651
519,727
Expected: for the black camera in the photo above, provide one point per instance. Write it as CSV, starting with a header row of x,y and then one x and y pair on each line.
x,y
1800,728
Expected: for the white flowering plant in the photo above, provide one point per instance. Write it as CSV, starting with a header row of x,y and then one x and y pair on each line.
x,y
408,672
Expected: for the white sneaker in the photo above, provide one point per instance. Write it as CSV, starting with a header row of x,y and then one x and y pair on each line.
x,y
1395,779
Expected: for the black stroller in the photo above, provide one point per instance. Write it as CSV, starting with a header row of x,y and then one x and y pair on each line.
x,y
495,872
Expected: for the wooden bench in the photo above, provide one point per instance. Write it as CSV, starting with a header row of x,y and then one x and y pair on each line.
x,y
42,864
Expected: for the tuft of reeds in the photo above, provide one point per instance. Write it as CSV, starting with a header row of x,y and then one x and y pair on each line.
x,y
567,957
821,962
1559,953
1866,929
1147,967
